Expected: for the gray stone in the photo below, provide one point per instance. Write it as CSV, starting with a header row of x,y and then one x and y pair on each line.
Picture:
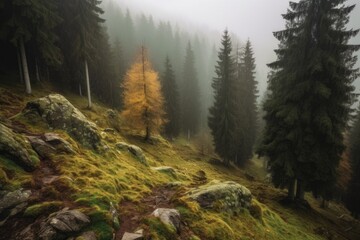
x,y
11,199
168,216
41,147
134,150
58,143
132,236
222,196
17,148
59,113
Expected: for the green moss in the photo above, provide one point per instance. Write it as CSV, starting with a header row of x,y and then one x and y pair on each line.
x,y
42,208
159,230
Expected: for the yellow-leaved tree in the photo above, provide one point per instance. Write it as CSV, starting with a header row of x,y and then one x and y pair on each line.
x,y
143,100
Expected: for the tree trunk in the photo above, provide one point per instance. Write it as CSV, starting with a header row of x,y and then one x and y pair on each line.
x,y
291,190
300,192
20,66
25,66
88,84
80,90
37,71
147,135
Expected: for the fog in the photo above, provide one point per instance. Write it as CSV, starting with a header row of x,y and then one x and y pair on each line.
x,y
254,19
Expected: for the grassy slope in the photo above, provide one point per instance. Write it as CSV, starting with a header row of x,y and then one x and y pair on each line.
x,y
91,181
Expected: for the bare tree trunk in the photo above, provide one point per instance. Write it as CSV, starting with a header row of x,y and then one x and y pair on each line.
x,y
37,70
25,66
80,90
20,66
88,84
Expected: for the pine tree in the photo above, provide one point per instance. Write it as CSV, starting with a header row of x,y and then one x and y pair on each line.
x,y
190,95
143,101
310,97
119,68
171,97
222,119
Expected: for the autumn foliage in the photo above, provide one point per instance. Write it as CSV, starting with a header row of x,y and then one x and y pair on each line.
x,y
143,101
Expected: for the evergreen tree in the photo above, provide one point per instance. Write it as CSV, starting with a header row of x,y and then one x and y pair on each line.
x,y
247,106
27,20
143,101
119,68
190,95
222,119
171,97
310,97
80,32
353,194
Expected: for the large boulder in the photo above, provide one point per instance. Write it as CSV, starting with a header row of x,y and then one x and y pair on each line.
x,y
226,196
59,113
17,148
136,151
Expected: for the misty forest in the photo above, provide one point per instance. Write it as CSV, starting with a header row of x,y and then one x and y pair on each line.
x,y
191,120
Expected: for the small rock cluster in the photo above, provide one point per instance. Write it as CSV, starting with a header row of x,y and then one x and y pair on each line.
x,y
134,150
12,203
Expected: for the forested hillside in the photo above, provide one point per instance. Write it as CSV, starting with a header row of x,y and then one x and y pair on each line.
x,y
117,124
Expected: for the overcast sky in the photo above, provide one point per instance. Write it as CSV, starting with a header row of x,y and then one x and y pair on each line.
x,y
254,19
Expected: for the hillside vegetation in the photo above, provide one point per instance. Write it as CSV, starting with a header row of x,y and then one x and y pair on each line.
x,y
118,188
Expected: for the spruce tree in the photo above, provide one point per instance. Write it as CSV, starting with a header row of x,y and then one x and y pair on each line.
x,y
190,95
310,97
353,194
247,106
171,98
222,119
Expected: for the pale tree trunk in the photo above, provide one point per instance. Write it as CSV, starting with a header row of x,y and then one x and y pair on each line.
x,y
80,90
88,84
20,66
25,66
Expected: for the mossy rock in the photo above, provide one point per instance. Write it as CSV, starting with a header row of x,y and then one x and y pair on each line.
x,y
57,112
226,196
17,148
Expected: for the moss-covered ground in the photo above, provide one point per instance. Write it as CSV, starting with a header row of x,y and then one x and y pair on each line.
x,y
91,181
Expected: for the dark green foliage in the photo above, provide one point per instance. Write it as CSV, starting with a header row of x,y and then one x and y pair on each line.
x,y
223,115
190,95
310,95
353,194
247,106
171,97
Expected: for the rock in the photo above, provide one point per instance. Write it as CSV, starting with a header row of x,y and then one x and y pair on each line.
x,y
168,216
58,143
17,148
134,150
41,147
90,235
61,223
12,203
165,169
222,196
132,236
200,177
11,199
59,113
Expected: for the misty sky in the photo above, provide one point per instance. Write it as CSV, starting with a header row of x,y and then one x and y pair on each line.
x,y
256,19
